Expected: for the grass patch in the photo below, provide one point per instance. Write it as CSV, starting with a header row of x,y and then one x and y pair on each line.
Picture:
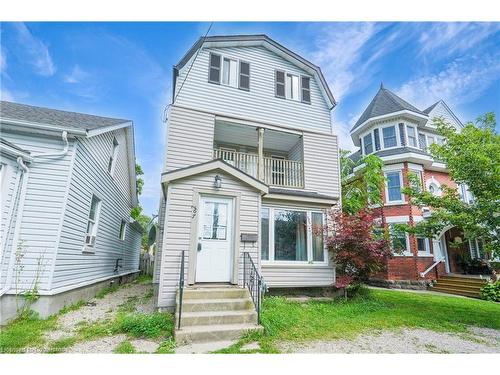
x,y
144,279
129,305
107,290
166,347
25,331
72,307
371,310
58,346
124,348
145,325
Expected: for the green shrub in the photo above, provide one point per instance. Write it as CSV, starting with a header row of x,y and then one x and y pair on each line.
x,y
491,292
145,325
124,348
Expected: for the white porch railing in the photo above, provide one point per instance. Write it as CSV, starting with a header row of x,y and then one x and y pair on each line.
x,y
422,274
276,172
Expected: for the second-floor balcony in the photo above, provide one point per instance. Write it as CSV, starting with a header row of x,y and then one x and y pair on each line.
x,y
272,156
276,171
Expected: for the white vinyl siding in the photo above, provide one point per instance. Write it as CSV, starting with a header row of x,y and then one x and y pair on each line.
x,y
178,227
321,164
89,177
260,103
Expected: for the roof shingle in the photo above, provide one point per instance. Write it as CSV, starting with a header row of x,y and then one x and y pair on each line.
x,y
65,119
383,103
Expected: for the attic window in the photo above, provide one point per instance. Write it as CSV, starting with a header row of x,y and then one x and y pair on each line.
x,y
306,89
292,86
112,157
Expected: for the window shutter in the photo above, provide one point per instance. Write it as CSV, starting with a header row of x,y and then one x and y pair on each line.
x,y
244,82
306,89
280,83
214,68
402,134
377,140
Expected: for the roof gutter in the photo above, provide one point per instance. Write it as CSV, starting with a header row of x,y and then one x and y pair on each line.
x,y
42,126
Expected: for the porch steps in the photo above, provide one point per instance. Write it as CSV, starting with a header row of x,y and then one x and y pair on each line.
x,y
215,314
460,285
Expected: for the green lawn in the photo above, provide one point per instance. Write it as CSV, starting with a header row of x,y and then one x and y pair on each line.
x,y
372,309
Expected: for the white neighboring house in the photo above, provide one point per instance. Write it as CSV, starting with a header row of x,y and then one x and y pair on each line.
x,y
251,167
68,184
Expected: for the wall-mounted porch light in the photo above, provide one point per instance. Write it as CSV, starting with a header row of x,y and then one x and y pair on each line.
x,y
217,182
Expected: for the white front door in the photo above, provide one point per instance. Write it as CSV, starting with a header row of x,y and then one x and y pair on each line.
x,y
215,240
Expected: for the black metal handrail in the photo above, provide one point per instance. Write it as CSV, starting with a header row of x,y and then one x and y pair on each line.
x,y
181,288
254,282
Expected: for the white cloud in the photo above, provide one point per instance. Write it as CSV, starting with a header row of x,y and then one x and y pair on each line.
x,y
448,37
37,53
461,81
76,75
339,51
6,95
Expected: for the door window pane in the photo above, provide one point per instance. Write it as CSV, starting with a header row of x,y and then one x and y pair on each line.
x,y
264,234
215,221
317,237
394,186
290,235
389,135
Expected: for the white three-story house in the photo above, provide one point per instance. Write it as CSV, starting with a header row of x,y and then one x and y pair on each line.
x,y
251,170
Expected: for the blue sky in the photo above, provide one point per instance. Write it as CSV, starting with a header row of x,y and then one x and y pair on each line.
x,y
124,69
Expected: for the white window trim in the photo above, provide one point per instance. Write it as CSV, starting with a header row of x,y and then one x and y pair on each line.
x,y
414,127
237,72
401,182
310,261
299,99
114,155
399,220
221,71
124,234
88,248
433,181
427,251
396,132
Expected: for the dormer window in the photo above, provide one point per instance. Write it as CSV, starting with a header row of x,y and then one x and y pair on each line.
x,y
389,135
368,143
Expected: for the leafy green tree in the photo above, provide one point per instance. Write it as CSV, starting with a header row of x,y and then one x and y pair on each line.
x,y
472,157
363,187
140,181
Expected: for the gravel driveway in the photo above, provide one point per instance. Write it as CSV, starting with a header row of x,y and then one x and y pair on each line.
x,y
477,340
138,295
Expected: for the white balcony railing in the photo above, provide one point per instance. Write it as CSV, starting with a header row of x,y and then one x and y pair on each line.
x,y
276,172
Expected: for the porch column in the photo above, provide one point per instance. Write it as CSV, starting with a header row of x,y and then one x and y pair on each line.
x,y
260,165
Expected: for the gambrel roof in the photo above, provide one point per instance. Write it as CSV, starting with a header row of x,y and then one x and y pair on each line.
x,y
383,103
258,40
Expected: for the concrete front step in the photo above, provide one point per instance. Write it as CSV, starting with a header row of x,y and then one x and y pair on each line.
x,y
218,317
217,304
218,293
204,333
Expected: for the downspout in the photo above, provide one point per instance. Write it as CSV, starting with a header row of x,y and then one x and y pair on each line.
x,y
17,228
20,207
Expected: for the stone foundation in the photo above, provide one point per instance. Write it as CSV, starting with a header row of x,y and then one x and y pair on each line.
x,y
46,305
400,284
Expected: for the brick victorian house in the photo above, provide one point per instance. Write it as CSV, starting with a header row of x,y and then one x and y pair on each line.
x,y
399,133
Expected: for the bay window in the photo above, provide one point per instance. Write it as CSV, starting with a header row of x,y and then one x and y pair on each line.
x,y
292,235
393,186
368,143
399,241
389,136
412,136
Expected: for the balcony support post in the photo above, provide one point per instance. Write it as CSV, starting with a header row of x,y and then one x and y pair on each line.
x,y
260,147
